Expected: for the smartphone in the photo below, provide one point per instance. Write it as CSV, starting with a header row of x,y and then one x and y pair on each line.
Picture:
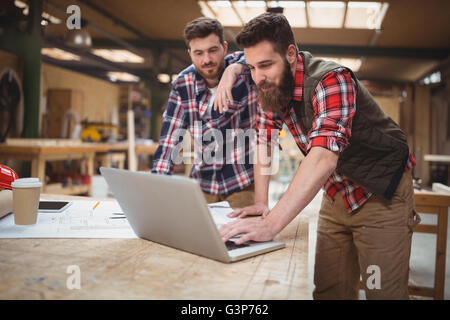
x,y
54,206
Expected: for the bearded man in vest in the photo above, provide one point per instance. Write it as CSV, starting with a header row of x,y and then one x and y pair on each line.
x,y
356,153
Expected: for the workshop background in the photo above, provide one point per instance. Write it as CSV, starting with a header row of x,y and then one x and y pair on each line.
x,y
60,87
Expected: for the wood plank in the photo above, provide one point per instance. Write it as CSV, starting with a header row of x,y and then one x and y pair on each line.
x,y
426,228
283,274
140,269
427,209
431,199
422,122
441,250
437,158
421,291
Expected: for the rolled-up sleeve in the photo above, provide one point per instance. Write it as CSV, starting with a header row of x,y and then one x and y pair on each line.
x,y
334,103
172,130
268,127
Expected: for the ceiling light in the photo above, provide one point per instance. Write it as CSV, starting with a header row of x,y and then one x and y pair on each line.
x,y
163,78
20,4
325,14
51,18
45,15
118,55
432,78
122,76
352,63
78,38
59,54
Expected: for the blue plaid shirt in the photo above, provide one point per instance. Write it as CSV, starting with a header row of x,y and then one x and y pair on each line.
x,y
231,171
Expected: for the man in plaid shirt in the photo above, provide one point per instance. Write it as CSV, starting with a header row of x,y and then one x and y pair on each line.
x,y
352,149
221,164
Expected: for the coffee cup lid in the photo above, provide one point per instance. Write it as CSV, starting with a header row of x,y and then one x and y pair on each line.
x,y
26,183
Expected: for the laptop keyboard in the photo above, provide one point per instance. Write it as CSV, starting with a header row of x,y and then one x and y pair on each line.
x,y
231,245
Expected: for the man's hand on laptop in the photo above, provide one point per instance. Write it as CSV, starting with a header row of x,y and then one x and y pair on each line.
x,y
254,210
248,229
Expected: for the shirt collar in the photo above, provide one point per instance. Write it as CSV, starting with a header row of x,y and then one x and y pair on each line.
x,y
200,83
298,90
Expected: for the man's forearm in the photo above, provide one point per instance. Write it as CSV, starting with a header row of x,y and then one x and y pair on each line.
x,y
261,185
262,180
311,175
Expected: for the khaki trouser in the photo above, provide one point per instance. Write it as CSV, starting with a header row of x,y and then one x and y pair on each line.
x,y
239,199
374,242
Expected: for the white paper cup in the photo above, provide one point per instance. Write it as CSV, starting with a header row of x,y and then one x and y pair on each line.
x,y
26,194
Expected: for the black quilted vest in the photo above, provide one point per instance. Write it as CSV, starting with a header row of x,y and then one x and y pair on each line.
x,y
377,153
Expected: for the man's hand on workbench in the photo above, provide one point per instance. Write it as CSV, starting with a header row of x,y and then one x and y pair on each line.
x,y
254,210
249,229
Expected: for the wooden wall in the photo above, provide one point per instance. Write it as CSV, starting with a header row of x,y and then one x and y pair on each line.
x,y
388,98
9,60
100,98
390,105
422,131
440,120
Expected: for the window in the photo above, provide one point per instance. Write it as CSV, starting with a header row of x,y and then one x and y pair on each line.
x,y
432,78
301,14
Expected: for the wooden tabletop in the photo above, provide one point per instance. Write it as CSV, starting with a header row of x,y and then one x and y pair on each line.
x,y
55,146
141,269
428,197
437,158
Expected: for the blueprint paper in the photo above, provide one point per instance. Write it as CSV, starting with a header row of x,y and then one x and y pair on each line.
x,y
79,220
219,211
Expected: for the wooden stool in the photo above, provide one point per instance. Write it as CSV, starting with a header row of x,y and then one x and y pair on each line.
x,y
434,203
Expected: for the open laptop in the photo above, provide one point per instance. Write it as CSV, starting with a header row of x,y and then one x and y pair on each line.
x,y
172,210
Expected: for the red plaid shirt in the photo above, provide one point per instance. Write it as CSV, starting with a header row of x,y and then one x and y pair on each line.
x,y
334,107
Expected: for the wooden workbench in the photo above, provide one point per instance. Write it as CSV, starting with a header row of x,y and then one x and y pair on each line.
x,y
39,151
140,269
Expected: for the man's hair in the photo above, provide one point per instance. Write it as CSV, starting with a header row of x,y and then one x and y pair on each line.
x,y
272,27
201,28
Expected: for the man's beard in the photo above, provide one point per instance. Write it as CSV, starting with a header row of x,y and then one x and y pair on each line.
x,y
212,74
278,98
